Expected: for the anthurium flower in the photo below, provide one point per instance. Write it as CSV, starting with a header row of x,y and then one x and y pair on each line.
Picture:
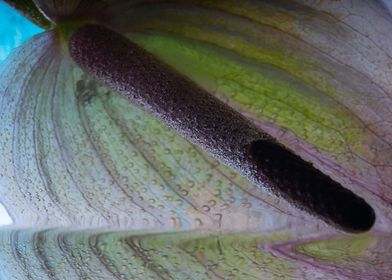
x,y
314,76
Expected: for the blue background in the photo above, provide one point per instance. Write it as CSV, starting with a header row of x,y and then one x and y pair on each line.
x,y
14,30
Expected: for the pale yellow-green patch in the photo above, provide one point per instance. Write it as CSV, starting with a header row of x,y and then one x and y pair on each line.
x,y
65,28
262,90
338,249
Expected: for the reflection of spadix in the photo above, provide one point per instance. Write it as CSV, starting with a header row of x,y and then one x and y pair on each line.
x,y
215,127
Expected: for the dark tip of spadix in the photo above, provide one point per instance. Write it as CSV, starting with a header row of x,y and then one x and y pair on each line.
x,y
311,190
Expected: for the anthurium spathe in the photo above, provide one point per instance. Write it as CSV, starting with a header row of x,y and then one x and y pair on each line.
x,y
75,154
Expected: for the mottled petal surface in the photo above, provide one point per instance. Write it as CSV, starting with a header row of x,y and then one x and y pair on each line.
x,y
77,157
314,74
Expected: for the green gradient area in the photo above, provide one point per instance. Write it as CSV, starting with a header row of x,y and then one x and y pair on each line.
x,y
338,249
262,90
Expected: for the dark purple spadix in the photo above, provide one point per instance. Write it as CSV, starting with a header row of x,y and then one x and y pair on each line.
x,y
215,127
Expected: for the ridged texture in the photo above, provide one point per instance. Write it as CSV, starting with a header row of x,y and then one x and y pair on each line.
x,y
327,96
104,255
75,154
204,120
315,75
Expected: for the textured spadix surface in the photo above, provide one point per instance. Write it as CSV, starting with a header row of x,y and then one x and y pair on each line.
x,y
74,155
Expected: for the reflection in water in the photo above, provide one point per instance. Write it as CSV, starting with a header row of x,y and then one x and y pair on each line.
x,y
99,254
